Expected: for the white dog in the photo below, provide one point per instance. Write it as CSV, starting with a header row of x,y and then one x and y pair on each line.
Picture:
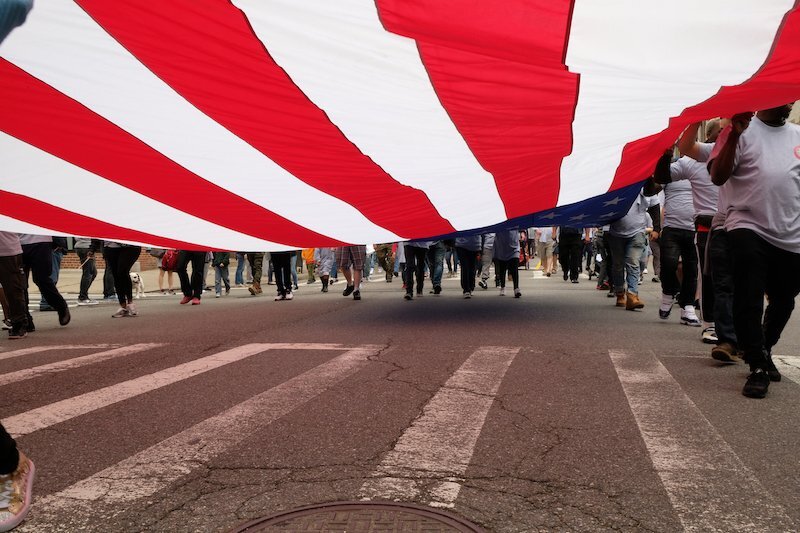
x,y
138,285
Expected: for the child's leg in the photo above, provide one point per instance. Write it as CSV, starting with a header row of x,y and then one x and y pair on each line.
x,y
501,272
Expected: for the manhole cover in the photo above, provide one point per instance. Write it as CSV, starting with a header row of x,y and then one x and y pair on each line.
x,y
358,517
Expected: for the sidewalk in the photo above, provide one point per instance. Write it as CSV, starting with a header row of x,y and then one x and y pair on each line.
x,y
69,283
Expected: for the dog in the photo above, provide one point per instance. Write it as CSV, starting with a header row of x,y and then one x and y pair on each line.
x,y
138,285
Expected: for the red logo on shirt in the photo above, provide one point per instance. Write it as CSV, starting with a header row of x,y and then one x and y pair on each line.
x,y
797,152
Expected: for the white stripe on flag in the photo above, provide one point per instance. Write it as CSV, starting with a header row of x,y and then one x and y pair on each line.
x,y
442,440
32,172
69,364
650,64
155,468
61,45
704,478
59,347
380,97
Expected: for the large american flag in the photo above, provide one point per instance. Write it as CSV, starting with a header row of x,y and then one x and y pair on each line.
x,y
277,124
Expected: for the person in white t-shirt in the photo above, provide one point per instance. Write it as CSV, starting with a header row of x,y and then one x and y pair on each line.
x,y
756,161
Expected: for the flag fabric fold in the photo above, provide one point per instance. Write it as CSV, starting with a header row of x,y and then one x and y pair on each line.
x,y
280,124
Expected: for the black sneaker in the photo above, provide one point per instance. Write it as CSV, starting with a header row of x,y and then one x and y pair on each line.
x,y
17,333
30,328
772,370
757,384
482,284
64,317
408,296
357,295
437,289
348,290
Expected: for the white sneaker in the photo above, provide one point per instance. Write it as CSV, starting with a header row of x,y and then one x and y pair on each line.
x,y
218,295
710,335
502,291
666,306
280,297
689,318
467,295
87,301
289,295
132,310
517,293
121,313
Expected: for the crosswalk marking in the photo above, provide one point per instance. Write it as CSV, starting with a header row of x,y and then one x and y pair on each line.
x,y
28,373
440,443
789,366
38,349
702,475
58,412
153,469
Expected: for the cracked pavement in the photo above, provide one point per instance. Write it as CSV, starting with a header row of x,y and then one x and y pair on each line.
x,y
560,449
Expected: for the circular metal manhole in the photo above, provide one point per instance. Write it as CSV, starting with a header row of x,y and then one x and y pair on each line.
x,y
361,517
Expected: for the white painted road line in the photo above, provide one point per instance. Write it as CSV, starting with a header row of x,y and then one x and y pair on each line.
x,y
69,364
789,366
705,480
441,441
58,412
155,468
37,349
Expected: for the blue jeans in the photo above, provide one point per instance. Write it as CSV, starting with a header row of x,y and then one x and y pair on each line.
x,y
221,275
58,255
436,262
241,260
626,252
293,264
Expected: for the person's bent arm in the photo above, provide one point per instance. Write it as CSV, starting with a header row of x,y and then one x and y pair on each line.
x,y
722,166
655,213
662,174
687,144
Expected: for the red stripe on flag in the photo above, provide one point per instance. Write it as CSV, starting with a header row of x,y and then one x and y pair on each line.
x,y
64,222
498,70
775,84
49,120
205,48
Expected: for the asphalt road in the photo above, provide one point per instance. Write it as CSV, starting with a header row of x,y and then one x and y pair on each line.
x,y
552,412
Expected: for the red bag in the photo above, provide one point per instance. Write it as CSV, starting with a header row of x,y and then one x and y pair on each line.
x,y
169,261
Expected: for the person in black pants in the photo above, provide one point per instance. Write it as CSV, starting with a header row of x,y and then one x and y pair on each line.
x,y
192,289
119,259
37,259
282,263
570,245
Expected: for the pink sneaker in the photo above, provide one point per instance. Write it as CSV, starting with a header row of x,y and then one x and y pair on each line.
x,y
195,301
15,494
185,300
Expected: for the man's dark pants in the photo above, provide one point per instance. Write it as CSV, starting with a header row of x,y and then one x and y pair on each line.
x,y
678,244
12,278
722,279
89,272
37,258
191,288
759,269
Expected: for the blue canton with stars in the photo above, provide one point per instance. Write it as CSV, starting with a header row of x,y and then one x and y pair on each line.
x,y
592,213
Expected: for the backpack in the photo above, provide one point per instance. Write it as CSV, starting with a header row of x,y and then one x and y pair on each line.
x,y
169,261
